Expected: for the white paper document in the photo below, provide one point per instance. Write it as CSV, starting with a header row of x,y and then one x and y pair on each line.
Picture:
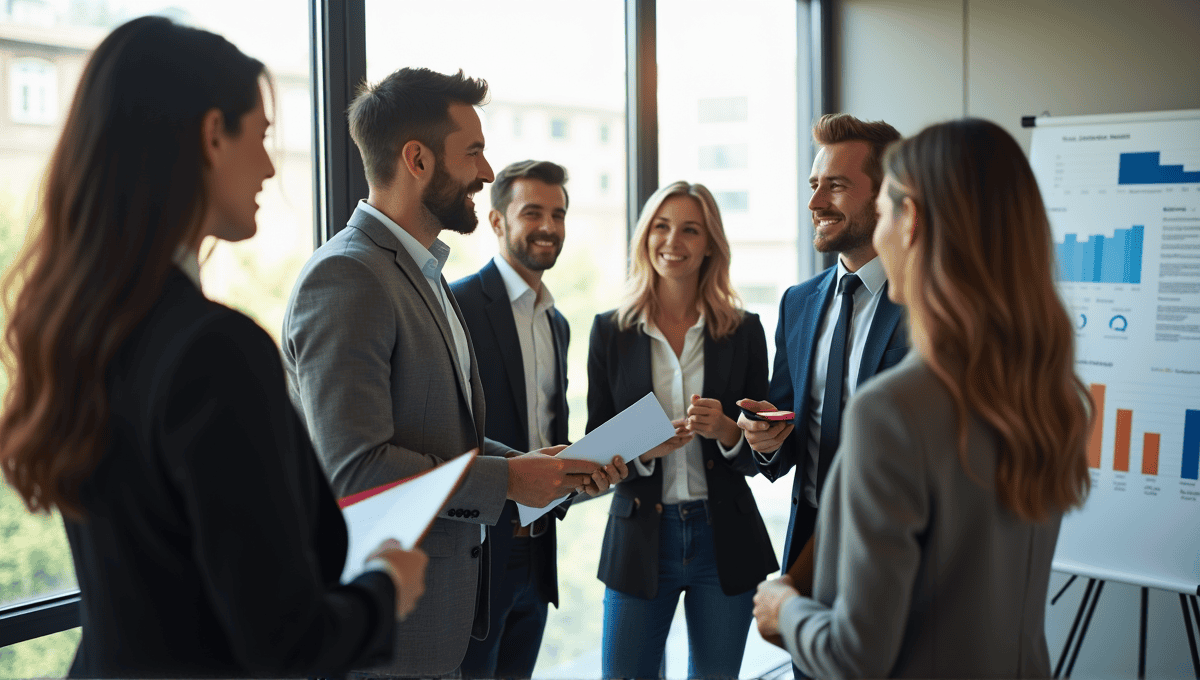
x,y
629,434
402,510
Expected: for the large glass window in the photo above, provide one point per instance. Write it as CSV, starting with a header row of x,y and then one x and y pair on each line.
x,y
727,118
556,72
43,47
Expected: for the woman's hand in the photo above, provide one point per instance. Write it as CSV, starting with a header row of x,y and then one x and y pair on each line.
x,y
407,570
681,438
706,418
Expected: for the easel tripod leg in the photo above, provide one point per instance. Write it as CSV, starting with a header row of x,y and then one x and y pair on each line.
x,y
1083,631
1187,624
1083,603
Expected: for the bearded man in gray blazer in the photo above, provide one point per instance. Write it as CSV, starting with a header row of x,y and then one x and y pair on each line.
x,y
380,363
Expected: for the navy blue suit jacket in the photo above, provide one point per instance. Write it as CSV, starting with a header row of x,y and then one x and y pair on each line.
x,y
800,314
483,299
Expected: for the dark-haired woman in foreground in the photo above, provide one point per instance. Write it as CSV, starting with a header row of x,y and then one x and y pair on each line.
x,y
206,541
939,521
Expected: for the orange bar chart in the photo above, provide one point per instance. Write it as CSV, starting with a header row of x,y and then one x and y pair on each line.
x,y
1121,447
1094,441
1150,453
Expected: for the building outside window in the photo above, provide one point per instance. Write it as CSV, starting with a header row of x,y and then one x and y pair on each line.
x,y
33,91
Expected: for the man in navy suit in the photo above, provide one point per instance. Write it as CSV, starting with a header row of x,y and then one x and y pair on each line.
x,y
520,342
838,324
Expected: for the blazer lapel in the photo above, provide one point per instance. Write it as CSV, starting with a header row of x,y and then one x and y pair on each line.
x,y
887,317
814,307
384,238
500,316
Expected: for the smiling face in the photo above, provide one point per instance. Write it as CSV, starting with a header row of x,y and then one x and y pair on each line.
x,y
532,230
238,166
459,172
677,240
843,212
893,240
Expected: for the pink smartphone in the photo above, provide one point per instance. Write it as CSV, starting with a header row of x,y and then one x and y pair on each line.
x,y
769,415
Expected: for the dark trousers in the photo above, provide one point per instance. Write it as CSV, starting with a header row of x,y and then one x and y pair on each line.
x,y
518,619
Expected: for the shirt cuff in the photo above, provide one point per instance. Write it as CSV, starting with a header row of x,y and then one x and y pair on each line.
x,y
736,451
765,458
645,469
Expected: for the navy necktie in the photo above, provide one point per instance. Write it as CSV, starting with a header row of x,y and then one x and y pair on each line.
x,y
835,378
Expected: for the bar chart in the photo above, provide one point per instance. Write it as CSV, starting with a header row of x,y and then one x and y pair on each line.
x,y
1123,439
1102,259
1147,168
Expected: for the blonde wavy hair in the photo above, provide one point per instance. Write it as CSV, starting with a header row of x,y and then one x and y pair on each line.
x,y
1000,338
716,299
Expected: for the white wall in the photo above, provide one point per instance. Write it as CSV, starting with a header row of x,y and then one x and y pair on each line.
x,y
916,62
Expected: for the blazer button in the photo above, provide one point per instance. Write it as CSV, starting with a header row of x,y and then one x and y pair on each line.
x,y
474,513
711,464
795,500
475,551
658,508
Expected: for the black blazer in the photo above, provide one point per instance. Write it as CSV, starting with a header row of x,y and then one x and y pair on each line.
x,y
800,314
618,375
213,545
483,299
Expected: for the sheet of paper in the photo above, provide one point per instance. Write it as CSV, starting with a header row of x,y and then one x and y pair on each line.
x,y
629,434
402,510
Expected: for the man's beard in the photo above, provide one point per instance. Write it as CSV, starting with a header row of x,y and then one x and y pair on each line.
x,y
447,201
520,250
856,232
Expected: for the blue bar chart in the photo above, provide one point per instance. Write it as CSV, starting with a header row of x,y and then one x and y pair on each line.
x,y
1102,259
1146,168
1191,446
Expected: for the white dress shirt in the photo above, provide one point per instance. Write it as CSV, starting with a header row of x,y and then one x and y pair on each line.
x,y
531,312
866,301
676,379
431,261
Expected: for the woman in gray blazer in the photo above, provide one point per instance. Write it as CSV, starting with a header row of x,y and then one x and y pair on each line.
x,y
938,524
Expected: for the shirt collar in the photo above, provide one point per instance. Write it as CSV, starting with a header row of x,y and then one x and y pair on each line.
x,y
518,288
872,275
189,263
430,260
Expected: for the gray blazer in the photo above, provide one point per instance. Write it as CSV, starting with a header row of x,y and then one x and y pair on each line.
x,y
372,370
919,570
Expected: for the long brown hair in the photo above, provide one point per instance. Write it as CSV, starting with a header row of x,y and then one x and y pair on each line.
x,y
1000,338
715,299
123,191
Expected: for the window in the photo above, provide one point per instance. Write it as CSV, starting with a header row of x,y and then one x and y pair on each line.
x,y
732,201
724,156
33,91
604,182
604,133
516,126
558,128
722,109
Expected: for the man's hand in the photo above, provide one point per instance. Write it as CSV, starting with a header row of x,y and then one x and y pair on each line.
x,y
705,418
681,438
606,476
770,598
407,571
537,478
762,436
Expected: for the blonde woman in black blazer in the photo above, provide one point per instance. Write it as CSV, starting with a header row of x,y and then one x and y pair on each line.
x,y
685,521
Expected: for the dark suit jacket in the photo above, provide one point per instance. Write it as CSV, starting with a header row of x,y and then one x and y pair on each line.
x,y
619,374
483,299
213,545
795,343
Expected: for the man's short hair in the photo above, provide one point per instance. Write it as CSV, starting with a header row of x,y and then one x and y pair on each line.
x,y
410,104
842,127
545,171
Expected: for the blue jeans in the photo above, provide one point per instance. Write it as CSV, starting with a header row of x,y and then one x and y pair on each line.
x,y
635,629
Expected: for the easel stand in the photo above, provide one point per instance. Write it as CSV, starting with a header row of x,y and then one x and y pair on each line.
x,y
1091,596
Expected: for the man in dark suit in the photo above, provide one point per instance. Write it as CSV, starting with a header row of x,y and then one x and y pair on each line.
x,y
520,342
836,330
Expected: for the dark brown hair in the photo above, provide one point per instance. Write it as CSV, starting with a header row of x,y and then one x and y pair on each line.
x,y
1001,341
543,171
410,104
123,191
833,128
